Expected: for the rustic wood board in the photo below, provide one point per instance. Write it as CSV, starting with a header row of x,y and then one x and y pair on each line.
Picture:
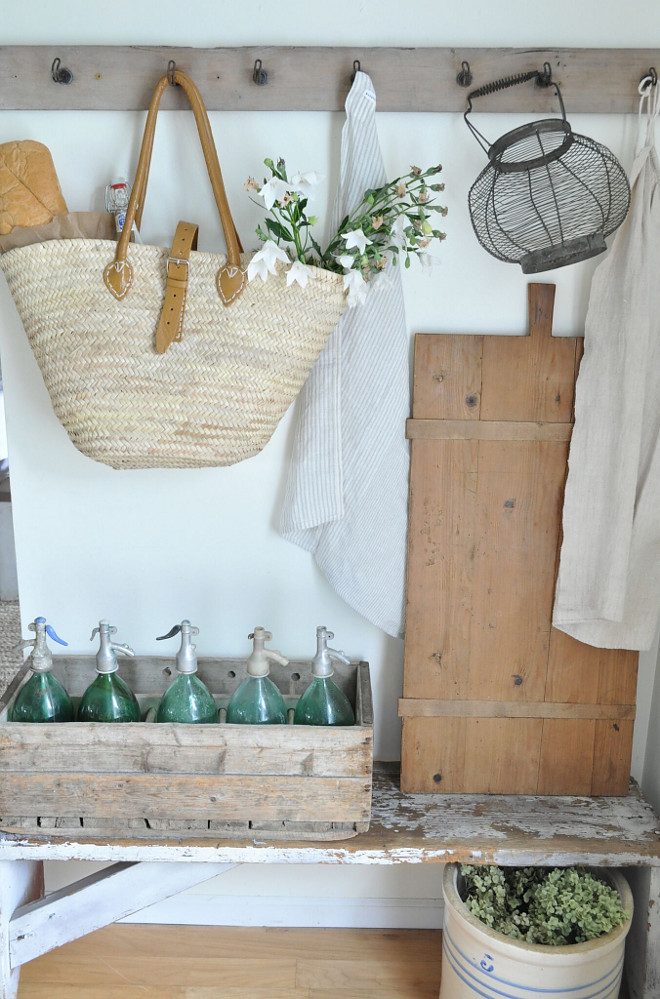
x,y
490,434
219,780
312,78
617,831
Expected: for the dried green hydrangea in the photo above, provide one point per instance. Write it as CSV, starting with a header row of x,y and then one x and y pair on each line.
x,y
542,905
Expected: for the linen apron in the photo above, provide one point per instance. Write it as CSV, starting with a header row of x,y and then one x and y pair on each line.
x,y
346,496
608,587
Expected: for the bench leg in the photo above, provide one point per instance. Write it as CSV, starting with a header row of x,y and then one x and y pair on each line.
x,y
21,881
98,900
643,943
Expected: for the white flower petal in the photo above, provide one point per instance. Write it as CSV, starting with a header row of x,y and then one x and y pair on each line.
x,y
274,190
271,253
356,287
356,238
257,266
304,182
264,262
299,273
346,261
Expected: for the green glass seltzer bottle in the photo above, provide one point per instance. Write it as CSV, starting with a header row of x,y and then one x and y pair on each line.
x,y
323,703
258,701
42,698
108,698
187,699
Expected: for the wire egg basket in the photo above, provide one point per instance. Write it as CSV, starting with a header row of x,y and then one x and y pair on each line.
x,y
548,196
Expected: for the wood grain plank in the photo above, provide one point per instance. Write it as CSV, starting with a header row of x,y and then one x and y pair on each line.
x,y
612,757
532,377
318,78
579,672
492,430
142,970
442,552
204,797
410,707
69,972
336,976
518,502
471,755
447,376
67,990
190,750
567,752
243,942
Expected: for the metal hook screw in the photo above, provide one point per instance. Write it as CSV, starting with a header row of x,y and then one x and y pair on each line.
x,y
464,78
356,69
649,79
544,79
171,71
259,75
60,75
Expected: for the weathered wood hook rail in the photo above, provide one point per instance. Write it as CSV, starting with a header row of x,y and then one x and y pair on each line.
x,y
318,78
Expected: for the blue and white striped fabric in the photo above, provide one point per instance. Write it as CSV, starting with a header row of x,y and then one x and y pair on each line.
x,y
347,489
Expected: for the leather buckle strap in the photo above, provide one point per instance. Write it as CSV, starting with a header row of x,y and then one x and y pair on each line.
x,y
170,324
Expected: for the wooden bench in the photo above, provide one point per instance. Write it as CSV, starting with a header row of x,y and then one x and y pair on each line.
x,y
405,829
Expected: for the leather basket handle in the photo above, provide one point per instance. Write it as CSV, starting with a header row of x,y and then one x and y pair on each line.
x,y
118,275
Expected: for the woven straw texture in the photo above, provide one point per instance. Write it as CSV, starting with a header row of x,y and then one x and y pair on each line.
x,y
214,398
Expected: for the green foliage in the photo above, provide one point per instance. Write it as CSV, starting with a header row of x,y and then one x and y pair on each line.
x,y
390,221
542,905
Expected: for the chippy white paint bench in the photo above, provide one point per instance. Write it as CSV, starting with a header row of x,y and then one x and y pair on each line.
x,y
405,829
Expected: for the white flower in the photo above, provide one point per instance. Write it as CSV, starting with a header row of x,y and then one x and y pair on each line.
x,y
356,287
346,261
303,182
264,262
398,233
300,273
274,190
356,238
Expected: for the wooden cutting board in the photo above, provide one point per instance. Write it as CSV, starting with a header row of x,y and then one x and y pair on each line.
x,y
494,698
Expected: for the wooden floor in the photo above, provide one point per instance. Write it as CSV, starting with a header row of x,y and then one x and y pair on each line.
x,y
193,962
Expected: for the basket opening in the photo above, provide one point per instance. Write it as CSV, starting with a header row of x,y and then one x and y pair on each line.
x,y
531,146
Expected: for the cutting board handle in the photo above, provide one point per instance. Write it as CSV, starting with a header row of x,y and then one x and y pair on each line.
x,y
540,307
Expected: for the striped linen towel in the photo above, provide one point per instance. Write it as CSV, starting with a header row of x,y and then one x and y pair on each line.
x,y
346,498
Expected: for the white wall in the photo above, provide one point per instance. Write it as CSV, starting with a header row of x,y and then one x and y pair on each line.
x,y
148,548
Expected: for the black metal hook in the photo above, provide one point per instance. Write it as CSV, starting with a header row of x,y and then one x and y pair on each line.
x,y
649,79
259,75
464,78
544,78
171,73
356,69
59,73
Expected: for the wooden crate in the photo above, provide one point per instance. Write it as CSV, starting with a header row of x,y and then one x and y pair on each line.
x,y
161,780
494,698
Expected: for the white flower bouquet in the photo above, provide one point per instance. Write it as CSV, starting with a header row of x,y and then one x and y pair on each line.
x,y
390,221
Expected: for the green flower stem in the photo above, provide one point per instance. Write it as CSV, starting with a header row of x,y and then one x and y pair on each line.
x,y
288,223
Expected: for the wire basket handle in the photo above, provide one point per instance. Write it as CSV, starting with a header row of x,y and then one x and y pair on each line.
x,y
542,77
